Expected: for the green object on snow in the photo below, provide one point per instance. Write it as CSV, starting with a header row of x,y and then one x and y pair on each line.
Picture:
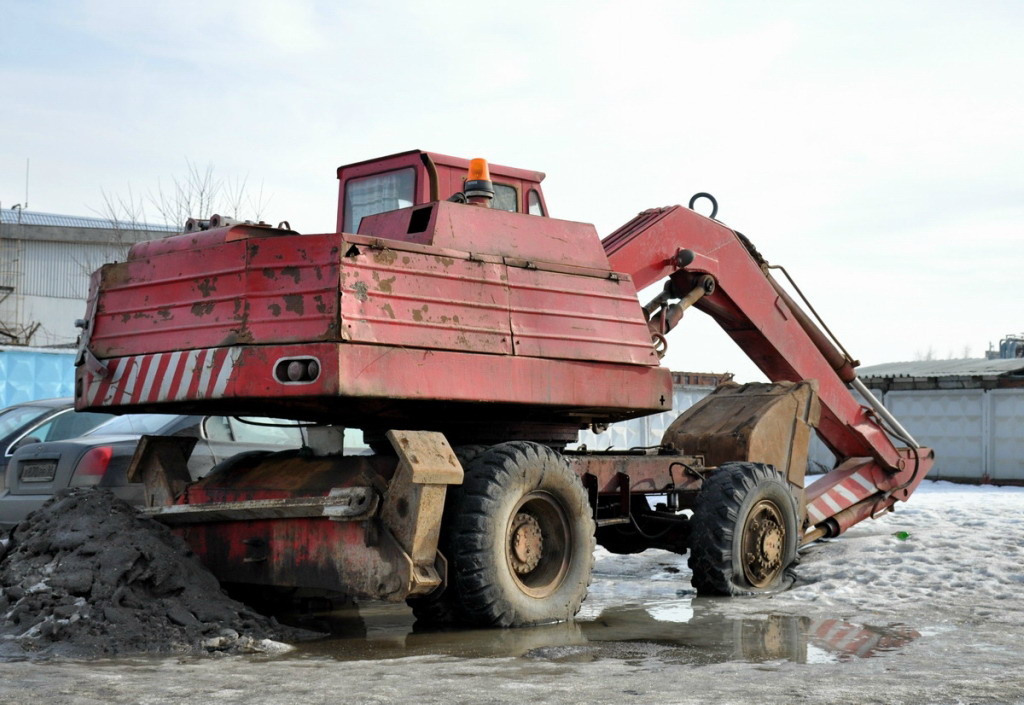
x,y
902,535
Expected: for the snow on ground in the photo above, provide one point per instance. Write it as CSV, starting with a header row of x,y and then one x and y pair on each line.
x,y
947,605
965,551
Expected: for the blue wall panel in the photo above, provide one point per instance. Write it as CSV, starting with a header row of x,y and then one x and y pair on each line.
x,y
27,374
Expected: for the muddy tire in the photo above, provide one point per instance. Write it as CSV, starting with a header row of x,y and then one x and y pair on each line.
x,y
522,538
441,608
744,533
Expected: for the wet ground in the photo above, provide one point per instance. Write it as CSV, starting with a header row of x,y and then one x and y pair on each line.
x,y
661,645
677,631
876,619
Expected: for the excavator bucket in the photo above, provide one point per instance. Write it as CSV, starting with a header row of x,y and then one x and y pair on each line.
x,y
756,422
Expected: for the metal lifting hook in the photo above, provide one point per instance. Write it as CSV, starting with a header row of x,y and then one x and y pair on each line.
x,y
714,203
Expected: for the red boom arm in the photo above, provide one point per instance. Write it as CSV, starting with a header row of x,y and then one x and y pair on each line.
x,y
681,245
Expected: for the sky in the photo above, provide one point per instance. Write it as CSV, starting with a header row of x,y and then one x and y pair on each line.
x,y
874,149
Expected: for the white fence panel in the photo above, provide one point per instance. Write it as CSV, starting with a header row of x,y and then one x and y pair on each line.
x,y
1006,437
648,430
953,422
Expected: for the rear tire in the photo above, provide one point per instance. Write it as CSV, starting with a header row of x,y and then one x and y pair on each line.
x,y
744,531
522,538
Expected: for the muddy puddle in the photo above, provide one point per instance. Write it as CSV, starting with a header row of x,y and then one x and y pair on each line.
x,y
680,631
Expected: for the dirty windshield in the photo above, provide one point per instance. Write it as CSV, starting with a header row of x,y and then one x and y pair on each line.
x,y
377,194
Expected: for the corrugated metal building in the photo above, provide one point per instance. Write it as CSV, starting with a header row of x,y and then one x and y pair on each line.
x,y
45,263
970,411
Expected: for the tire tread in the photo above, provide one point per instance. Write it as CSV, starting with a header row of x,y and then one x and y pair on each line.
x,y
715,519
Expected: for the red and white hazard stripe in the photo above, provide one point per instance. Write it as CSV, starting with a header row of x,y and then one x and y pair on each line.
x,y
845,637
169,376
848,492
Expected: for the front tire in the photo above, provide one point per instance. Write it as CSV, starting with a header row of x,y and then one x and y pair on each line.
x,y
744,531
522,541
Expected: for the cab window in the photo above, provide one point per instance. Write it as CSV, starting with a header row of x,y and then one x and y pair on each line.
x,y
534,207
505,198
378,193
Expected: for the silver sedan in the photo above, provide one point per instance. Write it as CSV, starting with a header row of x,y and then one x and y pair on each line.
x,y
101,457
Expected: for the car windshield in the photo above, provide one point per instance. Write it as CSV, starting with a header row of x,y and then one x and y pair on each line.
x,y
13,418
134,424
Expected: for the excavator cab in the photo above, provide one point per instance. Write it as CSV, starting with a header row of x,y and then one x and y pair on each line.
x,y
416,177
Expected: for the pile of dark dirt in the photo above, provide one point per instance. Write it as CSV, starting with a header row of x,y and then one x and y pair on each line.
x,y
87,576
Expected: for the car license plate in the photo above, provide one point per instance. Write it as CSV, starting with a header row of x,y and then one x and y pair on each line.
x,y
38,470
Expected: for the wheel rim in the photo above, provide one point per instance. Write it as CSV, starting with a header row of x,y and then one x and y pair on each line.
x,y
763,543
538,546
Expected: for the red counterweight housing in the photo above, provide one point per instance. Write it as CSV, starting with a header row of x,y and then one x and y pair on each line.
x,y
477,322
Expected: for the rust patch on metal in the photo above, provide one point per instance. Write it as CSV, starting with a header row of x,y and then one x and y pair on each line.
x,y
321,305
113,276
160,464
164,313
240,336
275,309
294,303
758,422
201,309
445,261
386,308
360,290
414,500
206,287
294,272
384,284
269,273
385,256
420,314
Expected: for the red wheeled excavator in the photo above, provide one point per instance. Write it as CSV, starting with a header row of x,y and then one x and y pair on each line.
x,y
470,337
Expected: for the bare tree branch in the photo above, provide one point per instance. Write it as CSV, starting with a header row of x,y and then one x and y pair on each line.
x,y
258,203
199,193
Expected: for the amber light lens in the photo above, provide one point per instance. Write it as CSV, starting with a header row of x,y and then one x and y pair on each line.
x,y
478,170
